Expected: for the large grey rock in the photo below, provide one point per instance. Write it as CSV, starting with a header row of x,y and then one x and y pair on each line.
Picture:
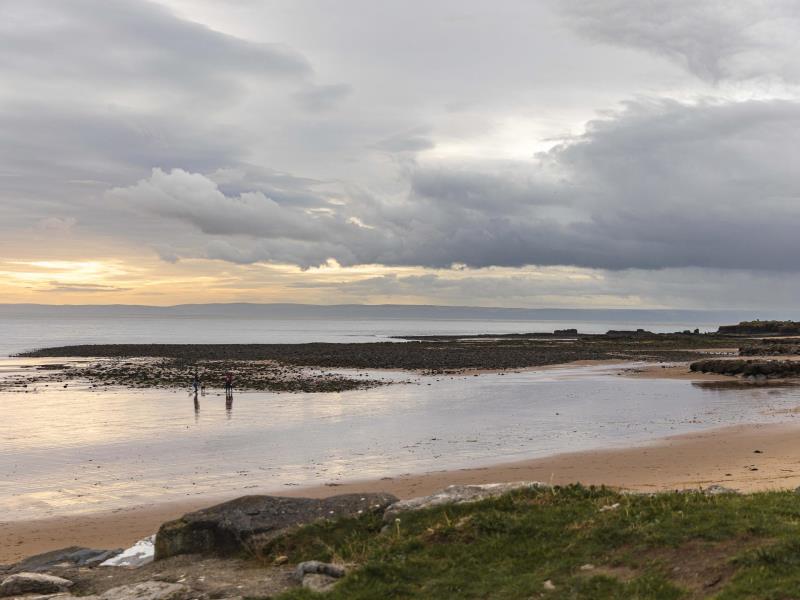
x,y
317,567
73,556
459,494
33,583
249,522
318,583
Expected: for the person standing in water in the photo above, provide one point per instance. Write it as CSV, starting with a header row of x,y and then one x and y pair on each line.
x,y
196,382
229,385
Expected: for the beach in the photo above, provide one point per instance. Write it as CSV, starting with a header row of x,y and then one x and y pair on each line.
x,y
85,462
747,458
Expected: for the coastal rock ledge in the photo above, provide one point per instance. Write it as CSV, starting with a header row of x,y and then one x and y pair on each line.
x,y
248,523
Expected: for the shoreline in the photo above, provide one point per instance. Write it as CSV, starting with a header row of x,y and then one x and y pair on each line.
x,y
725,456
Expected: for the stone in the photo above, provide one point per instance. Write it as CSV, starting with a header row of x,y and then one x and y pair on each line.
x,y
716,489
73,556
609,507
587,567
320,568
147,590
33,583
549,585
248,523
318,583
460,494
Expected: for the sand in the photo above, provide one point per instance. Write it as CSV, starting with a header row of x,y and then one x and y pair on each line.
x,y
723,456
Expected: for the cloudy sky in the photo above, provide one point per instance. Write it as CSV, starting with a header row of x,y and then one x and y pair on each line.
x,y
606,153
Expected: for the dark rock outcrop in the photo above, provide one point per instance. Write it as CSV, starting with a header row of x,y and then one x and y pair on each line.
x,y
250,522
566,332
771,369
769,349
762,328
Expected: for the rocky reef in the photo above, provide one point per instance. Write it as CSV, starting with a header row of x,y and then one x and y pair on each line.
x,y
753,368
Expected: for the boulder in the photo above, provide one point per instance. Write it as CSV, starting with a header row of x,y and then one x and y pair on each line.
x,y
459,494
73,556
318,567
33,583
249,522
318,583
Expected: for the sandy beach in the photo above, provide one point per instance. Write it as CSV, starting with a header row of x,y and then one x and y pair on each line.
x,y
747,458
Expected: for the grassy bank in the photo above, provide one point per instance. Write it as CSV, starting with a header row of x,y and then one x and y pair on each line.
x,y
587,543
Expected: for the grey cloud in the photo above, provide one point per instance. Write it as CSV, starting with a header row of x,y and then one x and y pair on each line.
x,y
56,286
714,39
322,97
659,185
134,43
415,140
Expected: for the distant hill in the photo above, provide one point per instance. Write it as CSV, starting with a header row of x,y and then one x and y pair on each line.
x,y
387,311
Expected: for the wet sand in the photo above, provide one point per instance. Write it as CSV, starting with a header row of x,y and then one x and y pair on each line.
x,y
724,456
673,371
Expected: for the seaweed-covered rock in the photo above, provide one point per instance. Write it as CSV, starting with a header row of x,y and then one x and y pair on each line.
x,y
249,522
749,368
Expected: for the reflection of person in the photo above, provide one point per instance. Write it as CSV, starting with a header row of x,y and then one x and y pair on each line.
x,y
196,404
229,405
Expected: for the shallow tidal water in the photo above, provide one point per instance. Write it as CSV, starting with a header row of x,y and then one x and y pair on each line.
x,y
70,450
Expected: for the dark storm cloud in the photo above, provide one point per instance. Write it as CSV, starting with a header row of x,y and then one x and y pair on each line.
x,y
662,184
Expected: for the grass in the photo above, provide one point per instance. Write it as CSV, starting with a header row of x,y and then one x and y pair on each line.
x,y
667,546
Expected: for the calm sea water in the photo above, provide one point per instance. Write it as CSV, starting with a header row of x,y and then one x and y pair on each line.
x,y
18,334
66,451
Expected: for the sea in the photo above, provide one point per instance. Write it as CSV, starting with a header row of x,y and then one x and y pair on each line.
x,y
23,328
71,449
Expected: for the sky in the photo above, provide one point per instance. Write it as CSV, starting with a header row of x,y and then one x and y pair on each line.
x,y
521,153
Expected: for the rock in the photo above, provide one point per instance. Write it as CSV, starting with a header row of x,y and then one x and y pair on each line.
x,y
587,567
280,560
320,568
73,556
608,507
318,583
249,522
33,583
549,585
459,494
716,489
140,554
147,590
